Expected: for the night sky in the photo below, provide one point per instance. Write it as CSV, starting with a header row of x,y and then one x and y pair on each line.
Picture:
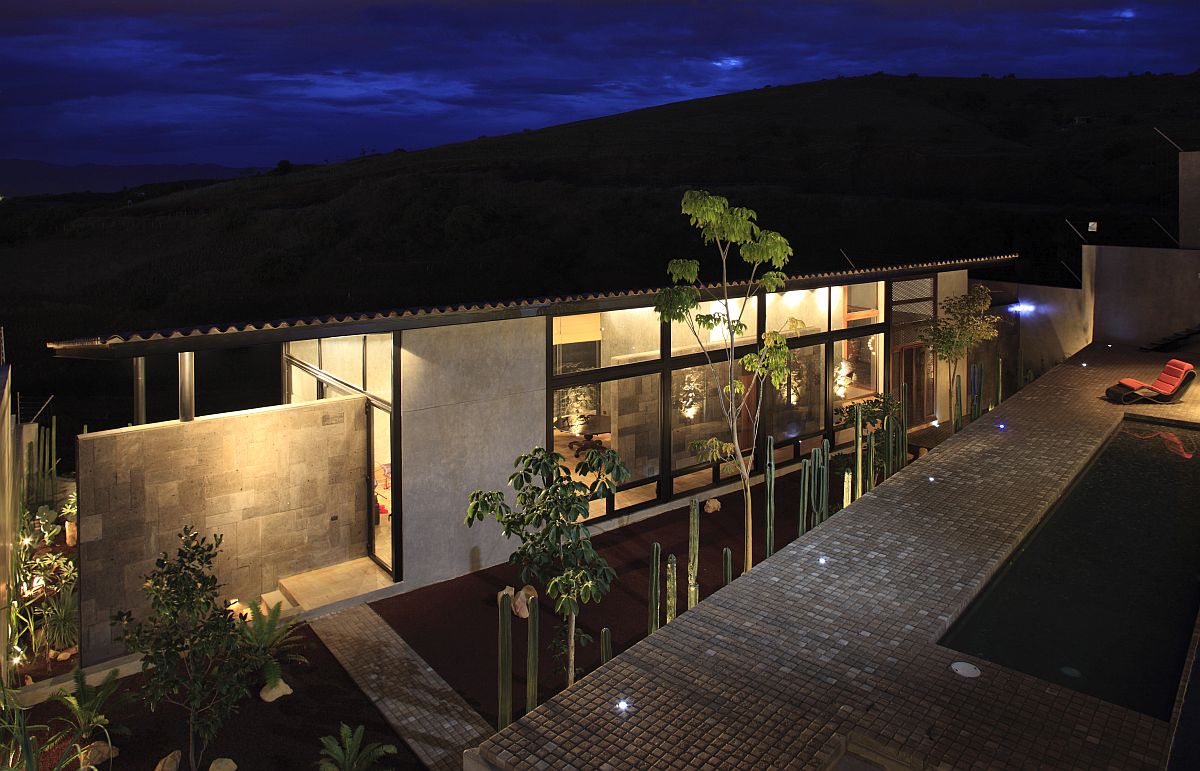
x,y
246,83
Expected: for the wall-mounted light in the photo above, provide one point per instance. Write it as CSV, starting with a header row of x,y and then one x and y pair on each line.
x,y
1021,308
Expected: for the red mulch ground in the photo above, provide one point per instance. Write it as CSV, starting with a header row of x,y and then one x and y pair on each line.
x,y
282,736
452,625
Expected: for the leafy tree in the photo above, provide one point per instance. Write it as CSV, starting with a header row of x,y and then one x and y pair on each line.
x,y
347,752
555,545
193,655
962,323
766,252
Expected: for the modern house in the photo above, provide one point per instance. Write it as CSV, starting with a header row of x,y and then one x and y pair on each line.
x,y
388,420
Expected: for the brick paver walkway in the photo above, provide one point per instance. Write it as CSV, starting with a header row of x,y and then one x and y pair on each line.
x,y
834,641
432,719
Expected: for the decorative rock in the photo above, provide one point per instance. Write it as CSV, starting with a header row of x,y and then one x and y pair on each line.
x,y
223,764
64,655
170,762
712,506
520,601
96,753
72,530
269,694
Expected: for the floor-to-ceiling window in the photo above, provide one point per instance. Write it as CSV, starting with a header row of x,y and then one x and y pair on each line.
x,y
913,307
342,366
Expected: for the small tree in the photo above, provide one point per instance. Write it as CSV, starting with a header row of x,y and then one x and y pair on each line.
x,y
193,654
763,250
962,323
556,547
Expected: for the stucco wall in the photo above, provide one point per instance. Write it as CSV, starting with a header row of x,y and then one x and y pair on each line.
x,y
1189,200
1058,325
284,485
951,283
1144,294
473,398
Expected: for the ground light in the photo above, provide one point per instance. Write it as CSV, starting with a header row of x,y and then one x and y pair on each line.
x,y
822,560
622,705
965,669
1000,426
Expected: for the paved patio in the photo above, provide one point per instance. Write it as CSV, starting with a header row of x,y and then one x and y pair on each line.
x,y
434,721
803,657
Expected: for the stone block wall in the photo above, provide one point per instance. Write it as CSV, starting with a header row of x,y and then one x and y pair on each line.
x,y
285,486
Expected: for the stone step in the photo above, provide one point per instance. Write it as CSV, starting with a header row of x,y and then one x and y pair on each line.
x,y
290,608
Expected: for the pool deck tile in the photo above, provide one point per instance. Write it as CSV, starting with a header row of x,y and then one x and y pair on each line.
x,y
797,660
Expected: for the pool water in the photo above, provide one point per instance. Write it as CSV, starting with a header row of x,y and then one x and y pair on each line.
x,y
1102,597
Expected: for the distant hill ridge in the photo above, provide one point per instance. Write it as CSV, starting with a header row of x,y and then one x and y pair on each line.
x,y
887,168
24,177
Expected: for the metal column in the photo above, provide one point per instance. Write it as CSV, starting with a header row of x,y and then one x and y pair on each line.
x,y
187,386
139,390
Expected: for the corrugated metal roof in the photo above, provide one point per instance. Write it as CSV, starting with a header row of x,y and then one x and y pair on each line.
x,y
178,338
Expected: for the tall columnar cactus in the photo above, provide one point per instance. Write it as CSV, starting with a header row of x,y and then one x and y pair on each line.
x,y
605,646
858,454
531,656
869,478
672,588
41,467
975,389
903,426
999,379
504,643
655,560
727,566
769,484
693,578
957,422
805,482
819,492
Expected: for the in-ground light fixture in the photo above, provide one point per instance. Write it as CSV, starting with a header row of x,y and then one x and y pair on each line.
x,y
622,705
822,560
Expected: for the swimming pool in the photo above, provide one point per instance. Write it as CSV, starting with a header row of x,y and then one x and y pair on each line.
x,y
1102,596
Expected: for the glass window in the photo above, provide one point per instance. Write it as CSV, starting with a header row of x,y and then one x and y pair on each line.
x,y
606,339
799,406
342,357
684,342
381,459
856,305
618,414
696,413
305,351
379,365
302,387
857,373
809,308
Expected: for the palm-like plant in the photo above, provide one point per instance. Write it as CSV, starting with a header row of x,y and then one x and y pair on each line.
x,y
348,753
277,641
86,706
60,618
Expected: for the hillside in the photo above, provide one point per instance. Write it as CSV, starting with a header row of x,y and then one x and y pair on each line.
x,y
21,177
883,167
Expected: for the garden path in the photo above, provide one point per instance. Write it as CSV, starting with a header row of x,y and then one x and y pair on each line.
x,y
432,719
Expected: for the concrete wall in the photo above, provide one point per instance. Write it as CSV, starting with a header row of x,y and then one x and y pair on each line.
x,y
1059,324
1144,294
284,485
1189,200
473,398
951,283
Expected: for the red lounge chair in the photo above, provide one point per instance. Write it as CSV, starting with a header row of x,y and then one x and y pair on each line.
x,y
1169,387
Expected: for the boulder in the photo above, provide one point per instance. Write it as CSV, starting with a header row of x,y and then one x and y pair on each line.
x,y
521,600
271,693
223,764
64,655
712,506
170,762
96,753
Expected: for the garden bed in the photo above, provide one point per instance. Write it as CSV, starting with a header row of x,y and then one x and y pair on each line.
x,y
452,625
280,736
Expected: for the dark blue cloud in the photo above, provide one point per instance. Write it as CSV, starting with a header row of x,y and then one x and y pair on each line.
x,y
312,81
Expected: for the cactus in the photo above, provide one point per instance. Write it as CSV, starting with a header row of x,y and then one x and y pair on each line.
x,y
41,467
958,405
655,559
605,646
999,379
672,588
504,640
531,656
819,492
903,426
693,578
802,515
769,484
727,566
858,455
869,479
975,389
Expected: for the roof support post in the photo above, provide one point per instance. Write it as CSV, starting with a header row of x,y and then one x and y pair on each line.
x,y
139,390
187,386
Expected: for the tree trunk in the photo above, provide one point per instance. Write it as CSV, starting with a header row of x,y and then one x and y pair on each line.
x,y
192,759
748,502
570,650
